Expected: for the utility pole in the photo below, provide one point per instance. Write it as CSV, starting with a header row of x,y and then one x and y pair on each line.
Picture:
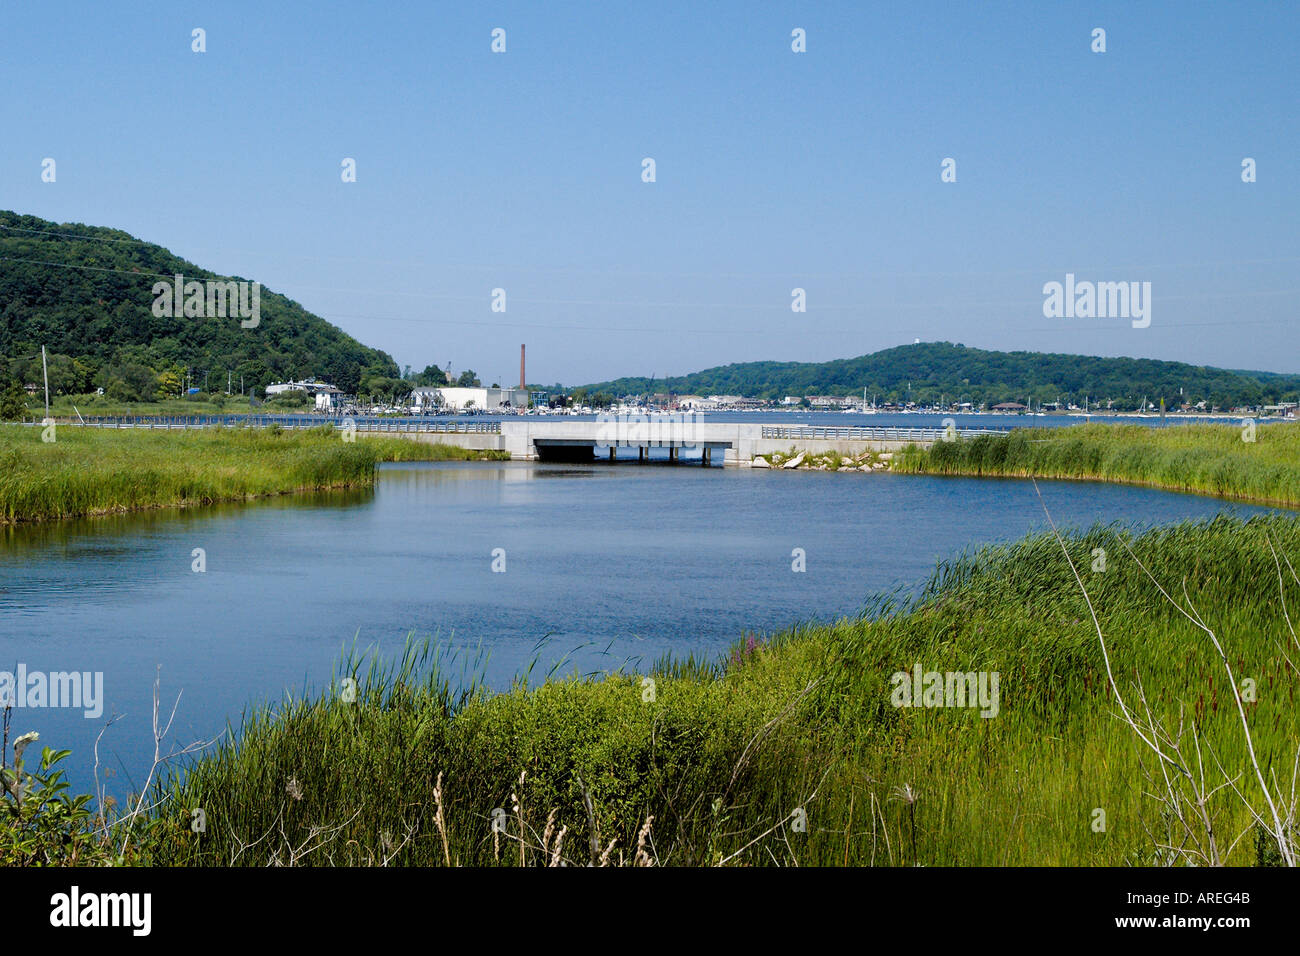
x,y
45,371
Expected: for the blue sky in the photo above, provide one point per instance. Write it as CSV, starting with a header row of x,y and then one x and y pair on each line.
x,y
775,170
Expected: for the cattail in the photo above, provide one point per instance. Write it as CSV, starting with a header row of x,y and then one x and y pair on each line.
x,y
604,857
559,845
440,820
517,806
550,828
642,857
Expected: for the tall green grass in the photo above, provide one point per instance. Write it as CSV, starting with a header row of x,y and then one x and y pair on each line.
x,y
713,766
89,471
1208,459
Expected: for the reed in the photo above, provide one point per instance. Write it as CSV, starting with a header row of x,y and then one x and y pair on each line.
x,y
91,471
1206,459
790,750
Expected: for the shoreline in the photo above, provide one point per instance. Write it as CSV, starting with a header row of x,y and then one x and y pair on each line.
x,y
88,473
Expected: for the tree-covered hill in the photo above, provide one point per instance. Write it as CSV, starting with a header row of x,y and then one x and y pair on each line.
x,y
926,372
86,294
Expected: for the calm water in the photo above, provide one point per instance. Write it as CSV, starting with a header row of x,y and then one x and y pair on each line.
x,y
612,565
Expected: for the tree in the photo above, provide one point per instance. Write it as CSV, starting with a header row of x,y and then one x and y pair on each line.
x,y
103,315
169,384
468,379
13,400
293,398
432,376
128,381
385,386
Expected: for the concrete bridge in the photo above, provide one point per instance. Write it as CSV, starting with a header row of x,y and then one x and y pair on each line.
x,y
710,442
567,439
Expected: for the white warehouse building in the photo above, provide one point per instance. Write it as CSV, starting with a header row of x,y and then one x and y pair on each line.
x,y
451,398
326,395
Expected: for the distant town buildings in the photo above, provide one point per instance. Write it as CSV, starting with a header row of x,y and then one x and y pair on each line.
x,y
327,396
452,398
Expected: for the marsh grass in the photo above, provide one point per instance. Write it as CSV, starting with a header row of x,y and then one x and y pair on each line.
x,y
90,471
727,753
1207,459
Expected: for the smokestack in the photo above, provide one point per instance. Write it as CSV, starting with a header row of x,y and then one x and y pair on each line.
x,y
523,382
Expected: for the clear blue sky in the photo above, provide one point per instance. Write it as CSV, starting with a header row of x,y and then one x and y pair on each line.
x,y
774,170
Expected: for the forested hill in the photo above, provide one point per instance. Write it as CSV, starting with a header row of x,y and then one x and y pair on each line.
x,y
928,371
85,293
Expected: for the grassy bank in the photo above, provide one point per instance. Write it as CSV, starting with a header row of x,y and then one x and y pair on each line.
x,y
70,406
1207,459
89,471
791,750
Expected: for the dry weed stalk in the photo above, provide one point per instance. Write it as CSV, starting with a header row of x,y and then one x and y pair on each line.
x,y
1183,795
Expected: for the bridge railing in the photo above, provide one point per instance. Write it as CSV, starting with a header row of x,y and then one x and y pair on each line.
x,y
868,433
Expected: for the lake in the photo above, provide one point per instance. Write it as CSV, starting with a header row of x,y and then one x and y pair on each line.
x,y
606,566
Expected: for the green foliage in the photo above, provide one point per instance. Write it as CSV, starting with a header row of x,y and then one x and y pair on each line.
x,y
293,398
722,754
385,386
13,399
1209,459
926,372
129,381
41,823
97,312
430,377
407,766
169,384
592,398
88,471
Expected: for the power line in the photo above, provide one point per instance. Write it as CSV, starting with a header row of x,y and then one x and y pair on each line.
x,y
64,235
126,272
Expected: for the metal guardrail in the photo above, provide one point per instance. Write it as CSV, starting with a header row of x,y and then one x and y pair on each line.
x,y
868,433
360,422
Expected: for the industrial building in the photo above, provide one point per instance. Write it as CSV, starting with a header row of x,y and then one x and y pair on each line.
x,y
449,398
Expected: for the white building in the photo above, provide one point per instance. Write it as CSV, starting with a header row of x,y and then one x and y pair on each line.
x,y
327,396
455,399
